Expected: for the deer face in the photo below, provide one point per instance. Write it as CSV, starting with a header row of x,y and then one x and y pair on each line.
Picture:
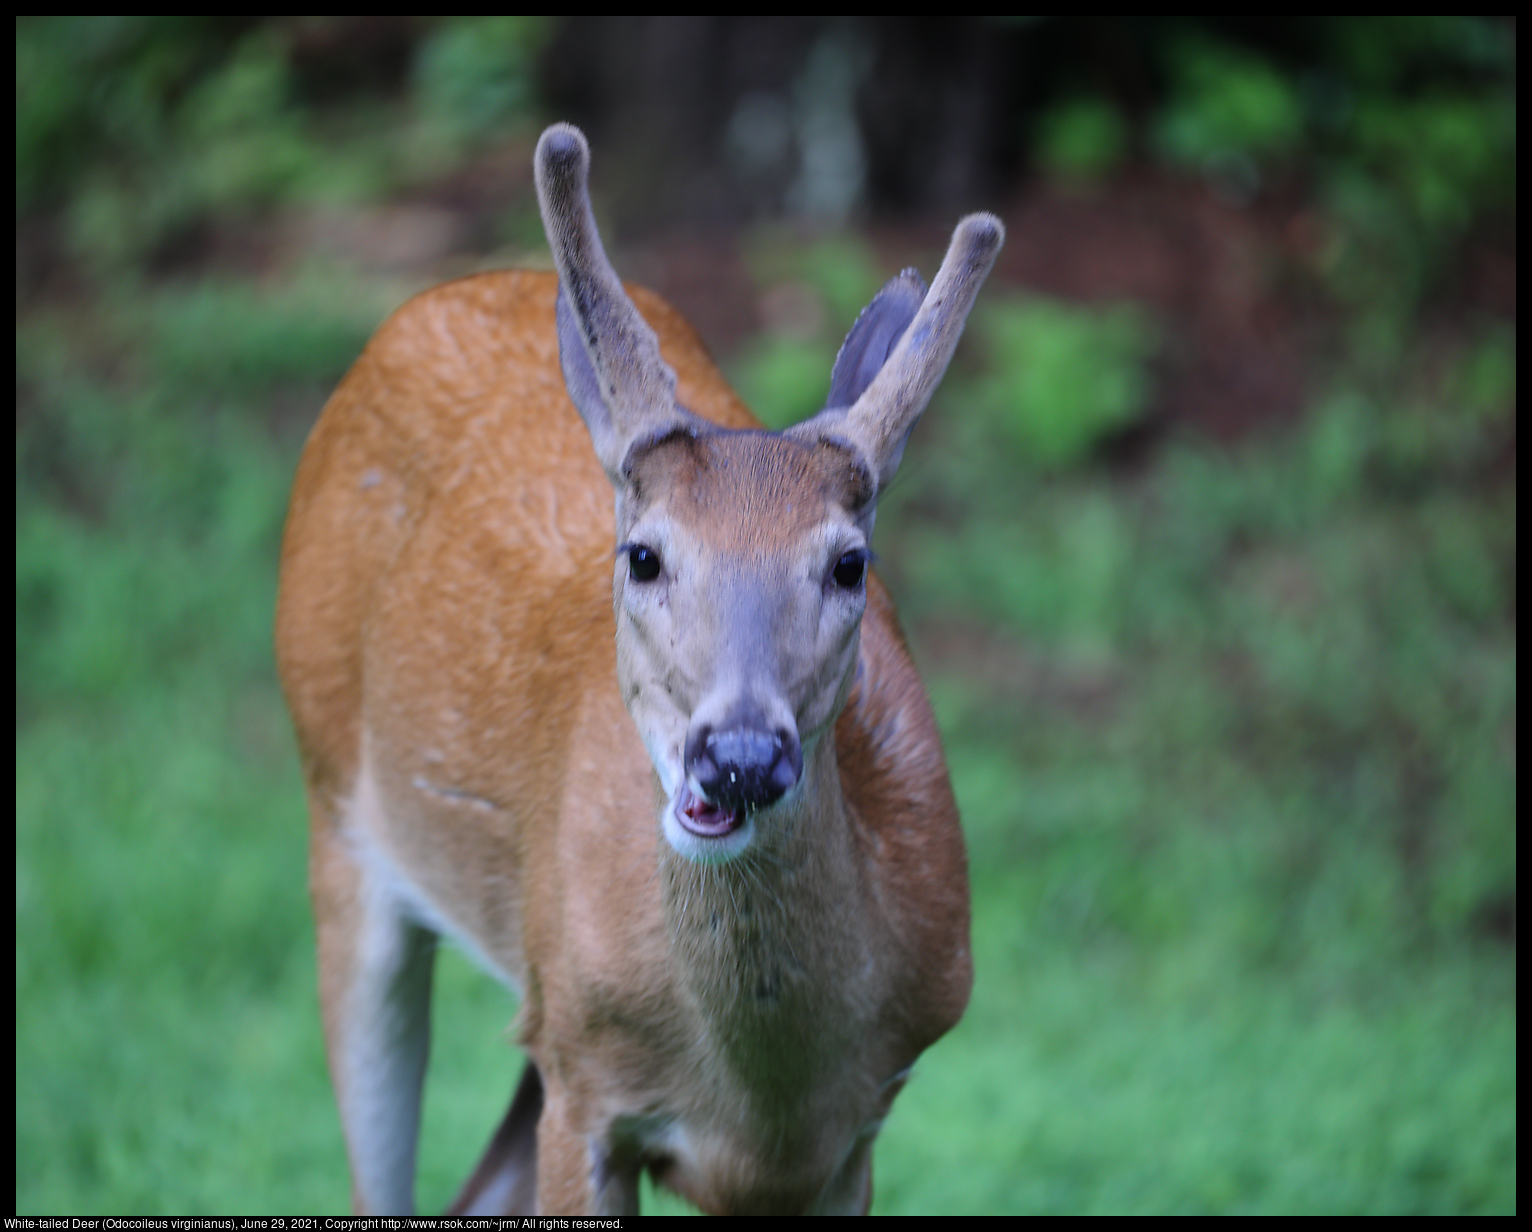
x,y
739,588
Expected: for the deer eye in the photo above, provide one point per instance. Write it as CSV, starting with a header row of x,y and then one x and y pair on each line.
x,y
850,570
643,563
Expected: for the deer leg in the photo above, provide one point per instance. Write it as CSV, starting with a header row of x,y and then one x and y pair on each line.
x,y
375,967
577,1174
505,1180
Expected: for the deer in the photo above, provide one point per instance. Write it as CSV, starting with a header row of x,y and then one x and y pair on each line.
x,y
590,676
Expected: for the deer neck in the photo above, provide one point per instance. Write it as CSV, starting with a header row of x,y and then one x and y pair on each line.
x,y
771,946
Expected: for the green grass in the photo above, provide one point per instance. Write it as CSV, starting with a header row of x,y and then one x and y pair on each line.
x,y
1233,736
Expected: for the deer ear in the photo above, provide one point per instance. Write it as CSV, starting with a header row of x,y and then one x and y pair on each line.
x,y
610,356
893,360
873,337
580,378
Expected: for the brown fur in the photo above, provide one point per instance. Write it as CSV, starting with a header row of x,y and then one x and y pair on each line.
x,y
446,606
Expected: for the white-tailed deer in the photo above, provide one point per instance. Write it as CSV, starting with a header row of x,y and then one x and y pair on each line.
x,y
685,795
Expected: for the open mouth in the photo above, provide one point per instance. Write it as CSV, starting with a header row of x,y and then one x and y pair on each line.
x,y
706,820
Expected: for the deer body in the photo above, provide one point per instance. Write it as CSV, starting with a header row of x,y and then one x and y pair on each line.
x,y
688,799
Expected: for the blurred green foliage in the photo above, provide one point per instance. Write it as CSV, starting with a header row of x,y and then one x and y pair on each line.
x,y
1274,646
158,492
138,129
1059,379
1223,101
813,294
787,376
1080,140
474,76
1403,130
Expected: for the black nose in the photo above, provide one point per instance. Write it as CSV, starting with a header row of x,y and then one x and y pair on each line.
x,y
744,767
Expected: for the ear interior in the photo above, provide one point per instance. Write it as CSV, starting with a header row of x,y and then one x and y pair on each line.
x,y
583,384
874,336
879,422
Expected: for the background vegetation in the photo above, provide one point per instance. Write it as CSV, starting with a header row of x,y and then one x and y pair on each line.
x,y
1228,684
